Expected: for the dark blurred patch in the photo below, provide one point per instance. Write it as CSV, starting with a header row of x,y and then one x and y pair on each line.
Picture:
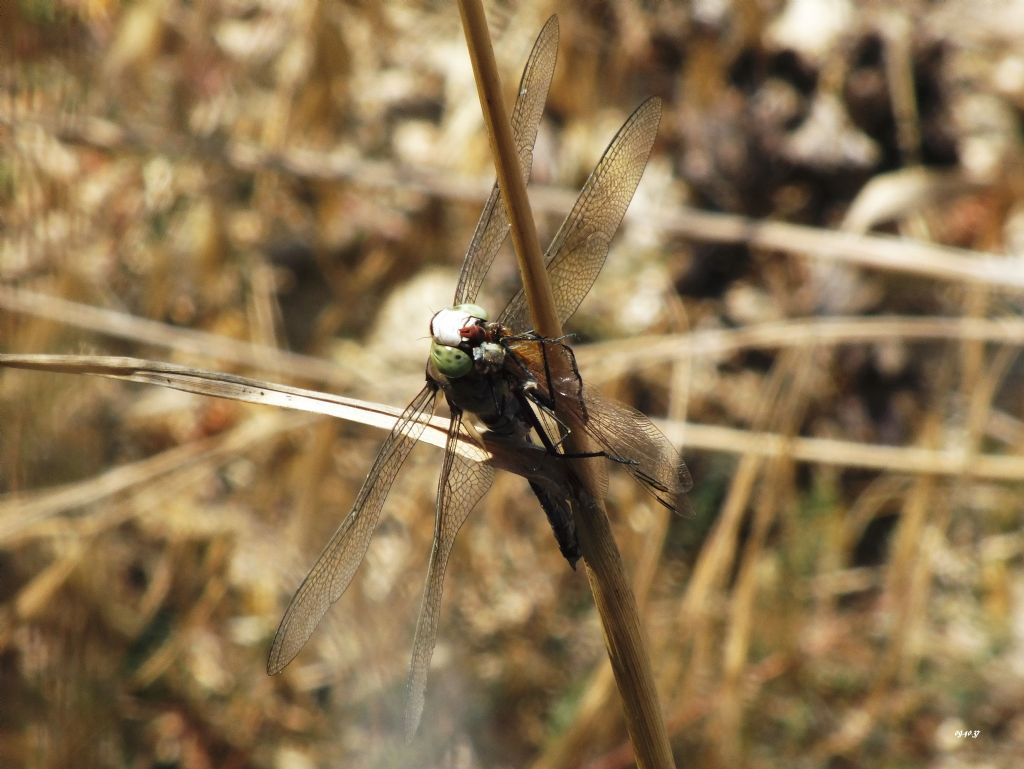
x,y
756,360
426,107
712,270
937,123
8,583
879,400
872,548
303,291
867,95
753,66
878,388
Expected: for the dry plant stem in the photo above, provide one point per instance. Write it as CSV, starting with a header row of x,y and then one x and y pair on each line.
x,y
915,460
513,190
220,385
605,572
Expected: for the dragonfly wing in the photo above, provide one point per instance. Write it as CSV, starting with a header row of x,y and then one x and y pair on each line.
x,y
577,253
461,485
492,229
333,571
626,434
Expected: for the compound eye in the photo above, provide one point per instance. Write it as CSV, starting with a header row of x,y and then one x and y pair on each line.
x,y
450,361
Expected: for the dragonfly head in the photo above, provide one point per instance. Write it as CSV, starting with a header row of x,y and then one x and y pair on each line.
x,y
447,335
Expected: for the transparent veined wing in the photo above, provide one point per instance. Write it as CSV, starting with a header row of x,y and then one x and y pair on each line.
x,y
462,483
625,434
492,228
334,569
649,456
578,251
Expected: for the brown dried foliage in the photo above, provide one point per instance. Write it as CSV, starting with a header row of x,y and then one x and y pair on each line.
x,y
304,176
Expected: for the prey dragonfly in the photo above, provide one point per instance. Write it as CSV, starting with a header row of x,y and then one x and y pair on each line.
x,y
510,380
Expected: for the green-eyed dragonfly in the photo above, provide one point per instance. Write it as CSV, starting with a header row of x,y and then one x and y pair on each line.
x,y
516,383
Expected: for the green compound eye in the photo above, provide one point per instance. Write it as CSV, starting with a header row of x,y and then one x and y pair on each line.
x,y
450,361
472,309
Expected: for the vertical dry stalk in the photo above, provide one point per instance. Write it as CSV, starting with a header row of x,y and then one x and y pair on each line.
x,y
605,572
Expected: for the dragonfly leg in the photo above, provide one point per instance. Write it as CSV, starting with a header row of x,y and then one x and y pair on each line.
x,y
547,406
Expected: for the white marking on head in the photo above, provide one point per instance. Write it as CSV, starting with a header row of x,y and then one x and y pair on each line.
x,y
446,325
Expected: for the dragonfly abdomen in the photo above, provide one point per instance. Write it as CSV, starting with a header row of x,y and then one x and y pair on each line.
x,y
559,513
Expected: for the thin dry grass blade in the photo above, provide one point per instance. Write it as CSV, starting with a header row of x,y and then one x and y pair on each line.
x,y
827,451
217,384
629,354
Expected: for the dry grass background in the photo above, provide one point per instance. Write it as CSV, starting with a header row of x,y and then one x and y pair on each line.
x,y
217,183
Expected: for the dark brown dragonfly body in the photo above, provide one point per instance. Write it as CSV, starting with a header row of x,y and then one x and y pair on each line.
x,y
510,388
520,386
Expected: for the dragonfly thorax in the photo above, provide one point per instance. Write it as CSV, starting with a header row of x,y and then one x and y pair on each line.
x,y
488,356
463,340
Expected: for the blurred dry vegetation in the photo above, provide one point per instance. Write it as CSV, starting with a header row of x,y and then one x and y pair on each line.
x,y
233,179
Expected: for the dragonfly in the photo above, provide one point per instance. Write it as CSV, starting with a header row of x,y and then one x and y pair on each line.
x,y
519,385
